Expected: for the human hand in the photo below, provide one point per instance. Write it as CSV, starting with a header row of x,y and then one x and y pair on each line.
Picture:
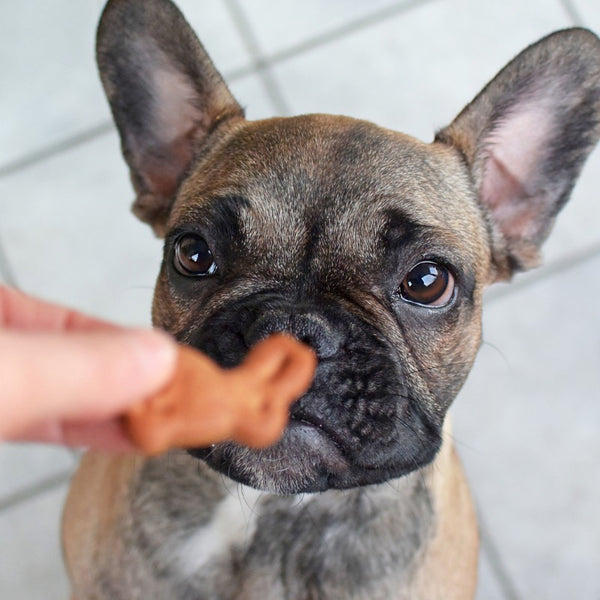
x,y
65,377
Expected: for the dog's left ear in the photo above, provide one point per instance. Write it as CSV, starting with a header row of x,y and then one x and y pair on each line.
x,y
525,138
165,94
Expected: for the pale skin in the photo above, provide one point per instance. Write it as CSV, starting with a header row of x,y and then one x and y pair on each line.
x,y
66,377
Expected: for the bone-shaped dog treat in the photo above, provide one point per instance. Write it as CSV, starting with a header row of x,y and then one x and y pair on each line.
x,y
205,404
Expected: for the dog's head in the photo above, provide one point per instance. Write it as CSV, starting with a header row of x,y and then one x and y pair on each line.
x,y
372,247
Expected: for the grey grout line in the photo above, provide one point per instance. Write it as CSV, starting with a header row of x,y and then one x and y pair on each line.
x,y
260,64
573,13
39,487
84,136
496,562
560,265
5,268
347,29
57,148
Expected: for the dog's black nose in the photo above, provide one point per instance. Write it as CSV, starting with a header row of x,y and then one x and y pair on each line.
x,y
308,327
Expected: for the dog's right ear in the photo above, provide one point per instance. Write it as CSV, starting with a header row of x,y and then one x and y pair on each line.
x,y
165,95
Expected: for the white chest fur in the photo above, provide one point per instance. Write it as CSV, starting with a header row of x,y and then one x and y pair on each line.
x,y
233,524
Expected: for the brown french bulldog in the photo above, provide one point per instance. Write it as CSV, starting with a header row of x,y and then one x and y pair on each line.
x,y
372,247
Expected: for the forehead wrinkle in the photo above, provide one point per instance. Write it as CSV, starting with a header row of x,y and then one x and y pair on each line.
x,y
451,222
351,229
194,202
274,228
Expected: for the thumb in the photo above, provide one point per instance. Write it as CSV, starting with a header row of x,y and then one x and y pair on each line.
x,y
78,376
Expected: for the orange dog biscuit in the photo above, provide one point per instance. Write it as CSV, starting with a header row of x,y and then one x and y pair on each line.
x,y
205,404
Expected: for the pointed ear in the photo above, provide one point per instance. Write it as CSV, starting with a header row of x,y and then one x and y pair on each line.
x,y
525,138
165,95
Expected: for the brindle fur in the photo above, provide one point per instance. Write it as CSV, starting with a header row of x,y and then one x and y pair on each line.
x,y
314,221
412,538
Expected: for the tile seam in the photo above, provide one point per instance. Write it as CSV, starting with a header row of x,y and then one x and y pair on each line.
x,y
496,562
5,268
35,489
43,153
572,13
345,30
557,267
259,64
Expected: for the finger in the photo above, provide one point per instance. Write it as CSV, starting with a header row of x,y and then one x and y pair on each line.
x,y
105,435
76,376
20,311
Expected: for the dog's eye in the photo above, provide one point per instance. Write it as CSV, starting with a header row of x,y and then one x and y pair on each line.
x,y
193,256
428,284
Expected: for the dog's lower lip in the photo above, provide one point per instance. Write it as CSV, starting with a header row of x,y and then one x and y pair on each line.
x,y
294,421
316,424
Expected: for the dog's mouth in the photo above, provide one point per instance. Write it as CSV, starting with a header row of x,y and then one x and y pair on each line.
x,y
307,458
314,454
300,418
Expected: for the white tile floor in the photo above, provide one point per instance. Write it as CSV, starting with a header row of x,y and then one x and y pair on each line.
x,y
525,423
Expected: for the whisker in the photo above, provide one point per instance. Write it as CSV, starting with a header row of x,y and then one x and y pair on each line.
x,y
438,366
213,449
275,459
459,442
498,351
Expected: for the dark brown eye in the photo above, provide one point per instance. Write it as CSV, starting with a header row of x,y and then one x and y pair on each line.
x,y
193,257
428,284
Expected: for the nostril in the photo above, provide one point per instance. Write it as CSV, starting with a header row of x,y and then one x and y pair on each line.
x,y
265,325
315,331
309,328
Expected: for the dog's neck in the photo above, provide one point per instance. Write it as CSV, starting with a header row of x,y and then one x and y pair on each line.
x,y
204,519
